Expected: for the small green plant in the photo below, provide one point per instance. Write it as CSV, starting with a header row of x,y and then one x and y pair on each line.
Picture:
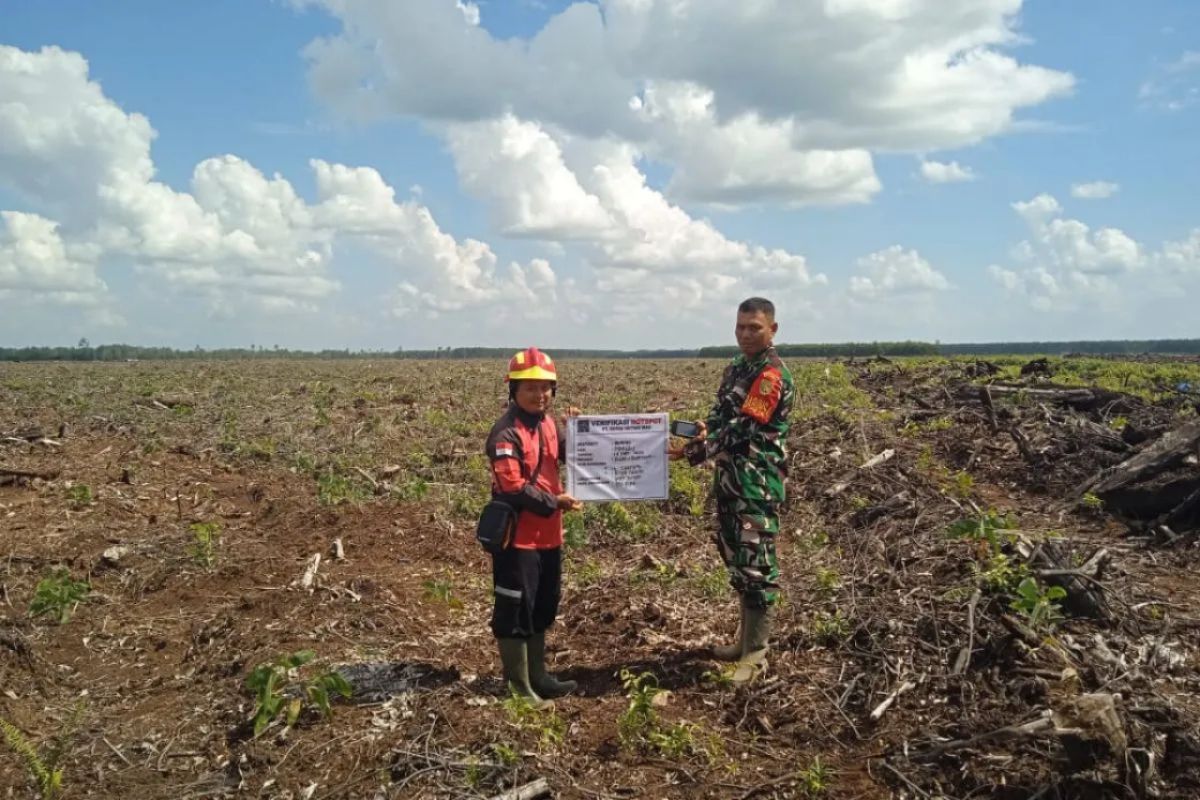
x,y
278,688
585,573
1039,604
927,463
710,583
506,754
206,538
639,718
828,582
812,542
413,489
676,741
639,726
961,484
468,504
621,522
986,528
334,489
1118,423
720,678
1092,503
259,449
547,724
661,574
687,492
999,574
43,767
304,463
830,629
815,779
79,496
58,595
441,590
475,773
574,531
46,775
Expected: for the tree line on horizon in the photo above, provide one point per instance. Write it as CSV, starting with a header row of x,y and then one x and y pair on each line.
x,y
84,351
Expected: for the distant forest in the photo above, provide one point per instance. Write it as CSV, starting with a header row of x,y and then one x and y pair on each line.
x,y
84,351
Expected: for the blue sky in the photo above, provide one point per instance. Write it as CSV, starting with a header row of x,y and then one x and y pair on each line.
x,y
534,202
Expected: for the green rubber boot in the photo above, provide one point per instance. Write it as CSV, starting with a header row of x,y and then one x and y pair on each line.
x,y
514,657
733,652
542,681
754,657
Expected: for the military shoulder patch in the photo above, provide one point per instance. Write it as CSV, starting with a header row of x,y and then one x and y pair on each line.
x,y
764,395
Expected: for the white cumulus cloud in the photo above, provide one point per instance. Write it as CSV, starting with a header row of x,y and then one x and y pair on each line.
x,y
1096,190
896,271
238,236
938,172
1066,261
815,87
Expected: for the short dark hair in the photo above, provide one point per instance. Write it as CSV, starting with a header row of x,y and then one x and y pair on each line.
x,y
753,305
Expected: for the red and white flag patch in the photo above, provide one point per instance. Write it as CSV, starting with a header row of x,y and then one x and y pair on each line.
x,y
505,451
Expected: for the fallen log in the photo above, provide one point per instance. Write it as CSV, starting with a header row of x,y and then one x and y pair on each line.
x,y
22,474
1080,399
1066,396
1169,451
1184,518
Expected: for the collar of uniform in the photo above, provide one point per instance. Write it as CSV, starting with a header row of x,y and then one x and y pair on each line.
x,y
531,421
759,359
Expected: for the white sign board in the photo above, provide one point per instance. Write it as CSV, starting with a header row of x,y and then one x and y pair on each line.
x,y
617,457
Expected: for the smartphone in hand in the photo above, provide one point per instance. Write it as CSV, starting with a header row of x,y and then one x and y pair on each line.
x,y
685,429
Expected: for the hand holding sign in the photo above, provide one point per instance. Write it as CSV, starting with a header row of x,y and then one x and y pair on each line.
x,y
617,457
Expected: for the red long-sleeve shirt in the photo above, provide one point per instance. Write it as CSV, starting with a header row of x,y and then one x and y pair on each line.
x,y
512,447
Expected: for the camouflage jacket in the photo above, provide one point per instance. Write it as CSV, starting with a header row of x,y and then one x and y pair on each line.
x,y
747,429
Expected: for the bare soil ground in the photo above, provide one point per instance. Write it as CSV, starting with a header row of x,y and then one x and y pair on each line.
x,y
908,663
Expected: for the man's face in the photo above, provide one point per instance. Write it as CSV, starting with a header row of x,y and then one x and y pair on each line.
x,y
535,397
755,332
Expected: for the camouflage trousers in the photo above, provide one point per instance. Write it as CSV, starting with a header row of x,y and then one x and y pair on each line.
x,y
746,541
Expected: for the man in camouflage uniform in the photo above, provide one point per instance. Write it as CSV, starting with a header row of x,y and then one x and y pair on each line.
x,y
745,437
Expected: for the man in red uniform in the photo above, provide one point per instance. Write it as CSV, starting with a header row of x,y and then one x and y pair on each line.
x,y
524,451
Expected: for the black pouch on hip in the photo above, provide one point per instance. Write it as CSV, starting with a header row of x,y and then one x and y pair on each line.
x,y
496,527
497,524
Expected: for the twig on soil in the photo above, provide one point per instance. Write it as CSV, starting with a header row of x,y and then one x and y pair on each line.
x,y
849,722
964,655
1040,728
878,713
905,779
530,791
115,750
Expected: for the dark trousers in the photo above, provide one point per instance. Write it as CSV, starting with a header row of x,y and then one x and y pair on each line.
x,y
527,585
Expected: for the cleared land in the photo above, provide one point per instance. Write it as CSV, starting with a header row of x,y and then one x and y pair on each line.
x,y
169,511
